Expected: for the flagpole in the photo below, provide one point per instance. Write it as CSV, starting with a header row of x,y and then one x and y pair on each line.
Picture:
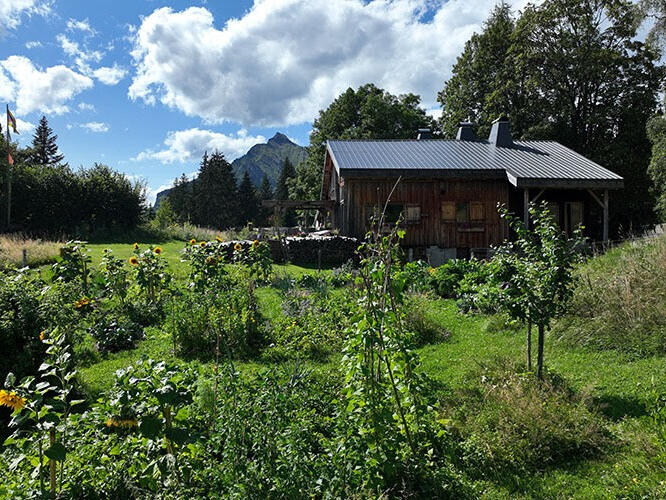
x,y
9,178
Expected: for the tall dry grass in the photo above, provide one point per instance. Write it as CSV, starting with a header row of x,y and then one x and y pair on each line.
x,y
38,251
620,300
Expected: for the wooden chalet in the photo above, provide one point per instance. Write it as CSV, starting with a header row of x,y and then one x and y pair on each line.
x,y
449,189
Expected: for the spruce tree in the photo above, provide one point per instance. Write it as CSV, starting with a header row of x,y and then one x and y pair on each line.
x,y
216,193
287,173
248,203
44,147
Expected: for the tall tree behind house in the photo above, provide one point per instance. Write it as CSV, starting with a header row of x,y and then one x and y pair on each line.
x,y
573,72
265,193
44,146
287,173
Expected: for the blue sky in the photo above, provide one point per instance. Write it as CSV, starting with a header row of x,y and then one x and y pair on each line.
x,y
146,86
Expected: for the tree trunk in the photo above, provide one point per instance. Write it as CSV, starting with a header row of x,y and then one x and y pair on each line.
x,y
540,352
529,346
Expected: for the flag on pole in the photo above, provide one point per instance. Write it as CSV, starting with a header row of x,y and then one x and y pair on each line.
x,y
11,121
10,159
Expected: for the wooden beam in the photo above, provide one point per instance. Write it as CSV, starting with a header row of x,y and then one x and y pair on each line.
x,y
537,196
526,207
596,198
605,215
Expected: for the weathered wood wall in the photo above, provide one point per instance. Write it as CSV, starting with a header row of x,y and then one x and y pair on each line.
x,y
429,195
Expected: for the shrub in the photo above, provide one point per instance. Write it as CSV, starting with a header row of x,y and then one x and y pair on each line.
x,y
512,423
445,279
416,276
115,334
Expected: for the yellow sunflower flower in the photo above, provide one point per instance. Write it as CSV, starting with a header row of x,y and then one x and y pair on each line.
x,y
193,241
136,246
134,261
202,244
11,400
255,243
238,247
219,238
42,335
157,250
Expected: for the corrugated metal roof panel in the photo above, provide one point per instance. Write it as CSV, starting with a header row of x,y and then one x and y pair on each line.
x,y
527,163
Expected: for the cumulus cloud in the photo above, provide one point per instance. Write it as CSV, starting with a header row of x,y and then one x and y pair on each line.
x,y
188,145
11,11
97,127
110,75
284,60
33,89
33,44
85,106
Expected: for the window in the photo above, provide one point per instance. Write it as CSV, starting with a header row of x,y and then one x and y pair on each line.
x,y
412,214
391,215
469,215
477,211
448,211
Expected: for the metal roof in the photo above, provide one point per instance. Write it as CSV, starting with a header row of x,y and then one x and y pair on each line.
x,y
524,164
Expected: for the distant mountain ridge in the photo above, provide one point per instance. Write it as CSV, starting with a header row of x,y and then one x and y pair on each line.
x,y
262,159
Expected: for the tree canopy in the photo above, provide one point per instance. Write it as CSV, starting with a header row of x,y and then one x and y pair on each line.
x,y
365,113
570,71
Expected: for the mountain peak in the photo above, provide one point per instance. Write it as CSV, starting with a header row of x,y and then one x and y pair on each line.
x,y
279,138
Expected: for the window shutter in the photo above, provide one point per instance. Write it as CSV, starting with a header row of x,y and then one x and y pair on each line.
x,y
477,211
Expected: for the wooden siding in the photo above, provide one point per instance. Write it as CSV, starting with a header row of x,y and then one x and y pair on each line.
x,y
482,196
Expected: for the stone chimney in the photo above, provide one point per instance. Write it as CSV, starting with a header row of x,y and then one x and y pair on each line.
x,y
500,133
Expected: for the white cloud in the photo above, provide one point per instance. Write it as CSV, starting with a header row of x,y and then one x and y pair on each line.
x,y
84,106
35,89
12,10
188,145
110,75
33,44
151,194
98,127
284,60
73,25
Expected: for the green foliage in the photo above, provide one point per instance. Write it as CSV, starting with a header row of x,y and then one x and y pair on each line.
x,y
618,302
365,113
248,201
416,276
282,192
115,276
512,425
114,334
571,71
150,273
216,193
44,149
165,215
73,265
257,259
420,320
656,129
446,279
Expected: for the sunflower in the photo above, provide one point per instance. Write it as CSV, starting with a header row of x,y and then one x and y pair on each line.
x,y
255,243
136,246
42,335
85,301
238,247
202,244
193,241
219,239
134,261
116,422
157,250
11,400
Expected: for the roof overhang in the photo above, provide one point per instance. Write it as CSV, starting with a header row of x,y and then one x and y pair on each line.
x,y
553,183
421,173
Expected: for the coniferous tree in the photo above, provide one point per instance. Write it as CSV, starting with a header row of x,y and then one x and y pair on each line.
x,y
44,147
287,173
216,193
265,193
181,197
248,203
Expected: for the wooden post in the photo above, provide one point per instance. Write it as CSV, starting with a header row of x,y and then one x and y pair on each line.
x,y
605,215
25,258
526,207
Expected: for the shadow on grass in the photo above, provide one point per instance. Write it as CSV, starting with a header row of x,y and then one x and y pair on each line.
x,y
618,407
